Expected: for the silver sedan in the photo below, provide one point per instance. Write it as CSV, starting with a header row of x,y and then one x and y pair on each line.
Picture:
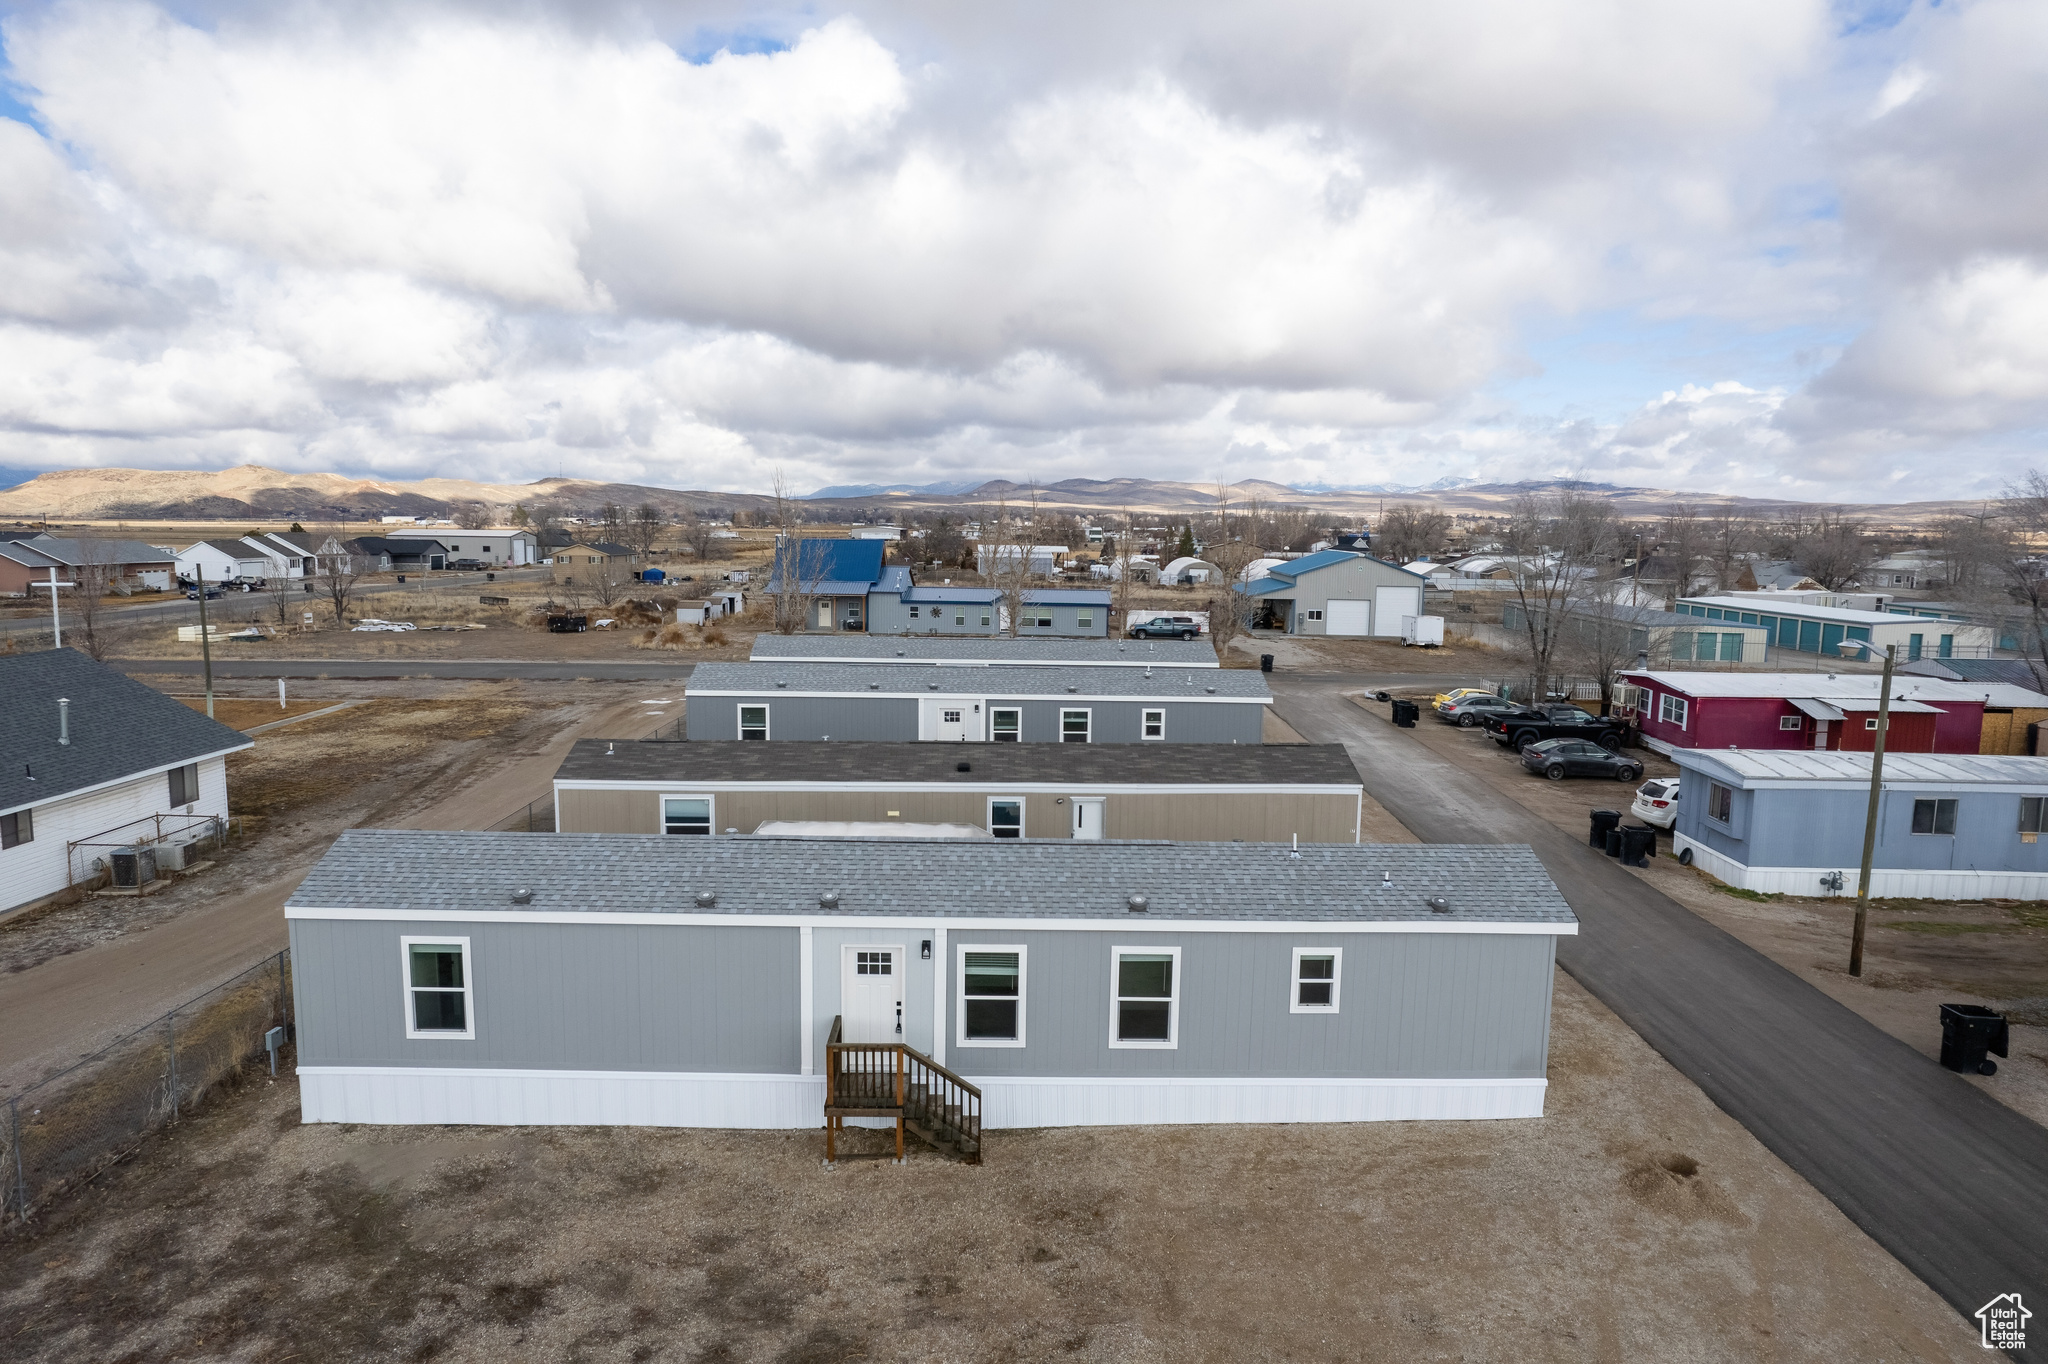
x,y
1469,711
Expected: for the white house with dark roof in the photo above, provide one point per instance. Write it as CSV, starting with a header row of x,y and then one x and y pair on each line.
x,y
96,761
501,978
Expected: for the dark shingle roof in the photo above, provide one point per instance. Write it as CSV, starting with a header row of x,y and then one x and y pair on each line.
x,y
849,679
118,727
991,649
408,871
732,760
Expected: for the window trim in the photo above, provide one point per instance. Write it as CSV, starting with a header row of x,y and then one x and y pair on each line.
x,y
1116,955
413,1034
960,1038
1670,704
711,804
1954,816
1791,722
989,811
2040,814
26,815
1145,722
1087,733
1294,1004
1726,821
740,715
1016,735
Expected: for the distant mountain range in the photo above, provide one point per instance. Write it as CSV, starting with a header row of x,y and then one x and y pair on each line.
x,y
253,493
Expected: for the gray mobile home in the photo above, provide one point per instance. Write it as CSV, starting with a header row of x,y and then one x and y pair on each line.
x,y
849,701
895,607
1270,793
987,651
1336,592
705,982
1952,826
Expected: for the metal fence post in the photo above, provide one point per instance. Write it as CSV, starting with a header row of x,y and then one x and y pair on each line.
x,y
171,1025
20,1172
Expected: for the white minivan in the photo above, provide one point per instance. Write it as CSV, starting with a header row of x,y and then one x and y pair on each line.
x,y
1657,802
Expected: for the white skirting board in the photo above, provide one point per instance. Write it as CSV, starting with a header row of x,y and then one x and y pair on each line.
x,y
404,1094
1885,883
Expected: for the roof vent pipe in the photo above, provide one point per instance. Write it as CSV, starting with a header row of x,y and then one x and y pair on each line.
x,y
522,896
63,719
1137,903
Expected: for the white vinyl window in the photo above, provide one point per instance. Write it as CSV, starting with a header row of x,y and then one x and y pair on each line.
x,y
984,618
17,828
1788,722
2033,814
1154,724
913,613
753,722
1317,975
1006,817
1005,726
1672,710
1144,997
1315,614
439,994
990,1002
686,814
1074,726
1720,803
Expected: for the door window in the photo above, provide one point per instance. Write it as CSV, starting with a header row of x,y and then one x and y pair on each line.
x,y
686,814
1004,726
951,717
991,1004
873,963
1006,818
1074,726
1146,1005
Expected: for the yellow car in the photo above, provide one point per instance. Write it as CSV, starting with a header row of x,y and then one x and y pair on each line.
x,y
1444,698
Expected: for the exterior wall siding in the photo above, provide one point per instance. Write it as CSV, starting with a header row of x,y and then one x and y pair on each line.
x,y
1255,817
896,718
2005,731
1752,722
1356,580
889,614
1441,1006
30,871
558,996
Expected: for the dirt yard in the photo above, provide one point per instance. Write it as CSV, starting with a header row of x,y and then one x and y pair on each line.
x,y
1635,1222
1918,954
247,712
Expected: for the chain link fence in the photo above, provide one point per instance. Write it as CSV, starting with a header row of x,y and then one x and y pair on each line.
x,y
66,1129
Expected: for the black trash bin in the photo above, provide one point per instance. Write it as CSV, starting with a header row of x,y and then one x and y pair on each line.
x,y
1638,845
1603,820
1967,1032
1265,663
1614,843
1405,713
401,577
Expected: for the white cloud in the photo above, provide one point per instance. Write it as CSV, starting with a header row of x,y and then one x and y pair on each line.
x,y
1168,240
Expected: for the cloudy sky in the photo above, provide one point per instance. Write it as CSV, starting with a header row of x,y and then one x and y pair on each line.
x,y
1782,247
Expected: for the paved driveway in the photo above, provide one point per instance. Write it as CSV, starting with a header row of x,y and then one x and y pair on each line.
x,y
1950,1181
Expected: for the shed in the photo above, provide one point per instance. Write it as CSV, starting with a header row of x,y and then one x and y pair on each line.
x,y
1274,793
1336,592
848,701
1950,826
489,978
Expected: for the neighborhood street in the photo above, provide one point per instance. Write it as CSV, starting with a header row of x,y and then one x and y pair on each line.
x,y
1947,1179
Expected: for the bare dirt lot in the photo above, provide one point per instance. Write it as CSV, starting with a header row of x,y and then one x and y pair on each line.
x,y
1919,954
247,712
1635,1222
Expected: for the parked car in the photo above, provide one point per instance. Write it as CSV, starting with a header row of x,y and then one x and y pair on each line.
x,y
1472,709
467,565
1523,726
1656,802
1166,627
1561,758
211,593
1455,693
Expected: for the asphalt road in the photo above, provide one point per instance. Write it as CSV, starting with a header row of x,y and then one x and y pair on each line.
x,y
1951,1182
382,669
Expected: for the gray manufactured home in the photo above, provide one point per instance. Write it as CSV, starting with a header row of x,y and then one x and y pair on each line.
x,y
987,651
700,982
848,701
1951,826
1271,793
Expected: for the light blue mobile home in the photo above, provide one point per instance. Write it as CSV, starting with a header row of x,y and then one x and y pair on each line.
x,y
1953,826
987,651
563,978
1088,705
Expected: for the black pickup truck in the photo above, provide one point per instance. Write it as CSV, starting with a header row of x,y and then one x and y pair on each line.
x,y
1517,729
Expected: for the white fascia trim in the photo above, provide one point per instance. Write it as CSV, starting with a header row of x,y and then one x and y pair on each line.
x,y
1153,923
937,788
1062,697
132,776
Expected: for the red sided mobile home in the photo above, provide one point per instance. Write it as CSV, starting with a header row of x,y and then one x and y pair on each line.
x,y
1837,712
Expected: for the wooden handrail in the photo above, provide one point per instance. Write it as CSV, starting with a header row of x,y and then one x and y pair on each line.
x,y
880,1077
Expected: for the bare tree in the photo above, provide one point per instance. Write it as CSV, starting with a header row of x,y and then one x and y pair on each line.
x,y
285,597
472,515
1556,545
1681,540
92,577
608,582
1006,543
338,568
701,535
645,528
798,566
1729,540
943,541
1232,550
1834,550
1971,551
2024,510
613,518
1409,533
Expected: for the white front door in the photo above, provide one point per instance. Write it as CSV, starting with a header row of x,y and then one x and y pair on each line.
x,y
1088,817
1347,618
1394,603
871,992
952,719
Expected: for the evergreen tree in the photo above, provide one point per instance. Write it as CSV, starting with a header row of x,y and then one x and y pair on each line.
x,y
1186,548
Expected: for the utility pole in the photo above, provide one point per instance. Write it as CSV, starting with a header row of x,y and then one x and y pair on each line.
x,y
205,644
1884,710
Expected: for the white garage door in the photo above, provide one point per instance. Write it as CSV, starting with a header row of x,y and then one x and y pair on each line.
x,y
1394,603
1347,618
